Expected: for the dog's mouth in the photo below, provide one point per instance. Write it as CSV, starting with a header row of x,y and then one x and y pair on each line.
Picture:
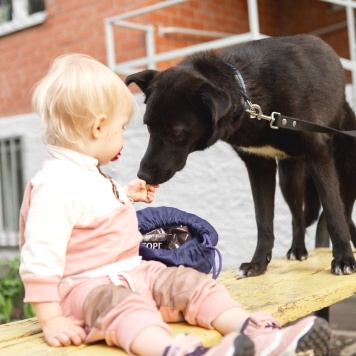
x,y
154,179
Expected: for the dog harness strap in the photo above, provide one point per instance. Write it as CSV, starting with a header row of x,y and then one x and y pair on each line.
x,y
290,123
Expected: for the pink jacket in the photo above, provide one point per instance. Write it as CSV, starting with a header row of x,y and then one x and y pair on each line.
x,y
71,222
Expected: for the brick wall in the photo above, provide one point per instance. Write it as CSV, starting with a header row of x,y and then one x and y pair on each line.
x,y
78,26
72,26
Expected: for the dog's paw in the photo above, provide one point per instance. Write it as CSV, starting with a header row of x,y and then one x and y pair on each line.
x,y
344,266
239,274
250,270
299,254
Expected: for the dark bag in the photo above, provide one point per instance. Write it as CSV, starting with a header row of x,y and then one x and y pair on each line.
x,y
175,237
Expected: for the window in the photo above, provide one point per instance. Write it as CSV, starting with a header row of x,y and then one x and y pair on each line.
x,y
16,15
11,190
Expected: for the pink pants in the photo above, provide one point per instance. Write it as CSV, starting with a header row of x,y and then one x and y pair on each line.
x,y
162,294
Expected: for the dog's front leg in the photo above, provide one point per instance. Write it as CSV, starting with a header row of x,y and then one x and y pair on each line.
x,y
322,169
262,174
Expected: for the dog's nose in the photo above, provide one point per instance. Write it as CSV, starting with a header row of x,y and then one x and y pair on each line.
x,y
146,176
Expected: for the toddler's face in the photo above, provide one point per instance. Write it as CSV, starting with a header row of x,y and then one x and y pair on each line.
x,y
112,142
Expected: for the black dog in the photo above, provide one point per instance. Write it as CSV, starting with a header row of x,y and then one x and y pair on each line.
x,y
203,99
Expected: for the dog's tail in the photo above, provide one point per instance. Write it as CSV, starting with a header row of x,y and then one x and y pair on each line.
x,y
349,122
345,147
345,155
311,202
345,159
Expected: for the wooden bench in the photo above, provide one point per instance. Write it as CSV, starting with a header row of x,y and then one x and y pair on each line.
x,y
289,290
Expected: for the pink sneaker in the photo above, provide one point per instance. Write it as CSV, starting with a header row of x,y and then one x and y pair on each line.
x,y
233,344
309,336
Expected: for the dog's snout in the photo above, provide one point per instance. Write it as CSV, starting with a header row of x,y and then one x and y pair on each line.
x,y
154,174
146,176
148,173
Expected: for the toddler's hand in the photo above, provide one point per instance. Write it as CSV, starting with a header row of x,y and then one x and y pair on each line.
x,y
151,189
62,331
138,190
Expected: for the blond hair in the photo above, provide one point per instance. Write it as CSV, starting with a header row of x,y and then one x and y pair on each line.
x,y
75,91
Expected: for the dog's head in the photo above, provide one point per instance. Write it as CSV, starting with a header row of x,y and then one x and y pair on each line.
x,y
182,111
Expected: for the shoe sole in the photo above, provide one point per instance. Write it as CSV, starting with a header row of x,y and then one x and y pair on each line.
x,y
243,346
316,341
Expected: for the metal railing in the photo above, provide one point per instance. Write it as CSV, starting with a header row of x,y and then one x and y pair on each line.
x,y
152,58
224,40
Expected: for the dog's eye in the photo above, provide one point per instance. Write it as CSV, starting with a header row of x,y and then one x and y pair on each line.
x,y
175,131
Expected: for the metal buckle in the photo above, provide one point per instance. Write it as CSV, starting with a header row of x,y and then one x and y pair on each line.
x,y
273,119
255,112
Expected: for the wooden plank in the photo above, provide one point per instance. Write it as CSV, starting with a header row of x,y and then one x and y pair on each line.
x,y
289,290
292,289
25,338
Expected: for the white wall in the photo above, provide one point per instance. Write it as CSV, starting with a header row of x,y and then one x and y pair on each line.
x,y
213,185
27,127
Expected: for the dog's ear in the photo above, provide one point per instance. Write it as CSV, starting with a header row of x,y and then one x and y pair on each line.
x,y
213,100
142,79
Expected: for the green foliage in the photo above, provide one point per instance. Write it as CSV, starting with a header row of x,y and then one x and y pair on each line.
x,y
12,293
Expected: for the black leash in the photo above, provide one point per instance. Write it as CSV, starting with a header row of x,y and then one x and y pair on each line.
x,y
300,125
276,120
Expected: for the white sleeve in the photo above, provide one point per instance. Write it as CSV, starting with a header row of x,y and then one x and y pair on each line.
x,y
52,215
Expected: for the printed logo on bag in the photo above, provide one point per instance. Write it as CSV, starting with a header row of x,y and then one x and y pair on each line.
x,y
168,238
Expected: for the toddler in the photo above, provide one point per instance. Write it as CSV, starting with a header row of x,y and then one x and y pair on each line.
x,y
79,241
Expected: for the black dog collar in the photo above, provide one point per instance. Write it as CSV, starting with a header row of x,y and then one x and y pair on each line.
x,y
240,80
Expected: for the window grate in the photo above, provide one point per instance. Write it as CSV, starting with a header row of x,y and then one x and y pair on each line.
x,y
11,190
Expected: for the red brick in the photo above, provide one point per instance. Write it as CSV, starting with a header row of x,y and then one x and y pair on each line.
x,y
78,25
